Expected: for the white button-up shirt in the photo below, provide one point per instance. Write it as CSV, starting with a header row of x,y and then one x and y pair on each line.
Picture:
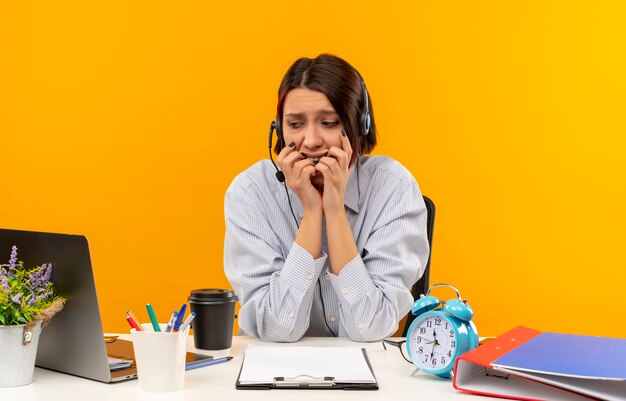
x,y
283,291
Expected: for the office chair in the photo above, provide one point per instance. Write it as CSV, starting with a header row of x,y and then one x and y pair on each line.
x,y
422,284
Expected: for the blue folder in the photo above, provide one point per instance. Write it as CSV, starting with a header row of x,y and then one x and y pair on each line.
x,y
589,365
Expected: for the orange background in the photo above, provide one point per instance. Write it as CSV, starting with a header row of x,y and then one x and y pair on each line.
x,y
126,122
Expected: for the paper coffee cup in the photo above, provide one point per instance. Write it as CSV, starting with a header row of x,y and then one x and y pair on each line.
x,y
215,318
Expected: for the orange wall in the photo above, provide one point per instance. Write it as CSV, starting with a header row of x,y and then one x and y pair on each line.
x,y
126,122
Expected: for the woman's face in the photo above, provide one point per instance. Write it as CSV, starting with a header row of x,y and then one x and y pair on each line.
x,y
310,121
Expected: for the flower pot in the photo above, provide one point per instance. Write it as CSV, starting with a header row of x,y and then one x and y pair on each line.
x,y
17,354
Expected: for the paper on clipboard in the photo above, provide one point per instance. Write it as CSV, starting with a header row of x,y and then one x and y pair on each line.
x,y
263,364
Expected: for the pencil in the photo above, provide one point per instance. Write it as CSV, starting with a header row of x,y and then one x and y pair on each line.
x,y
130,314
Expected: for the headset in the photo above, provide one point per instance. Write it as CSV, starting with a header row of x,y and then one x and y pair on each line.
x,y
364,120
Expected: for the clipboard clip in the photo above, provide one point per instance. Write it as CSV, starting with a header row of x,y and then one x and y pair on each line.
x,y
304,381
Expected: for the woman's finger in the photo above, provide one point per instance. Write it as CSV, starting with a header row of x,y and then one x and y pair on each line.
x,y
287,150
324,170
288,161
330,163
341,156
299,166
307,172
345,144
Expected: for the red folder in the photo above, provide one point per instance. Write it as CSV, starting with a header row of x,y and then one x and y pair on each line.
x,y
475,373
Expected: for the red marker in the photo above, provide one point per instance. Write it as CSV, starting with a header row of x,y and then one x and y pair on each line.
x,y
135,320
133,324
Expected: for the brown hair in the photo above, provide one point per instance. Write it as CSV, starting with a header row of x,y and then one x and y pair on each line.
x,y
344,88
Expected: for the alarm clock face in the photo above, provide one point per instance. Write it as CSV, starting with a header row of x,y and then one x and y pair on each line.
x,y
433,343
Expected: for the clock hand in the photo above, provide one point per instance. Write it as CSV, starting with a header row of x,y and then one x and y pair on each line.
x,y
428,340
435,338
431,350
434,343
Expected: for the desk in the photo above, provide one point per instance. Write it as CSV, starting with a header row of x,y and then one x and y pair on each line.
x,y
217,383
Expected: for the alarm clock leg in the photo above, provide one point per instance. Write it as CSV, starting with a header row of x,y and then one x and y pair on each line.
x,y
415,372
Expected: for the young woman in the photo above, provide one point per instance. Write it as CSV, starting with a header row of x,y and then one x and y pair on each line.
x,y
331,244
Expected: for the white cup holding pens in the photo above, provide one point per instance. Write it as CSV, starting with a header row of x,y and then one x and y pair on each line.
x,y
160,357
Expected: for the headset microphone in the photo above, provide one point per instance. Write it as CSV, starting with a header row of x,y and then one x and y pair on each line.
x,y
279,174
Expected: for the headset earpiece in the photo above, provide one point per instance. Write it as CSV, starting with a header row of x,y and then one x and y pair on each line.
x,y
279,133
280,176
365,119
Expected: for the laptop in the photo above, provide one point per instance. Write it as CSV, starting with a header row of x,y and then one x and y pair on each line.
x,y
74,341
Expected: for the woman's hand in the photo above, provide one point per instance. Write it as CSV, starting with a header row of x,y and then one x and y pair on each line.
x,y
298,171
335,167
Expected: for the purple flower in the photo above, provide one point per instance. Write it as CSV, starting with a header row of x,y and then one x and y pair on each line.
x,y
32,299
5,284
41,297
41,277
16,298
48,274
37,277
13,260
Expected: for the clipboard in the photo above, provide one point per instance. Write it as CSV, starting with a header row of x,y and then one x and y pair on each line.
x,y
340,379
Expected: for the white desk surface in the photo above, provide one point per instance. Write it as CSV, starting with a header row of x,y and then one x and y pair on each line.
x,y
217,383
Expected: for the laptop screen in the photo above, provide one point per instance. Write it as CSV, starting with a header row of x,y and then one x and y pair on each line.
x,y
73,341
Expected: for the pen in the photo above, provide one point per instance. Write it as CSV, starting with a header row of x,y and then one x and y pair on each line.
x,y
187,321
206,362
133,324
170,324
153,319
181,316
134,319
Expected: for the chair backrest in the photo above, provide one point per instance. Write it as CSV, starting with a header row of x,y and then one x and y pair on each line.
x,y
422,284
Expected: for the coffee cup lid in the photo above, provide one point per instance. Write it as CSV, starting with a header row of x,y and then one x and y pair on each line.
x,y
212,295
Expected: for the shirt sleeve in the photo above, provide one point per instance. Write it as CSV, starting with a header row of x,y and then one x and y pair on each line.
x,y
374,289
275,291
